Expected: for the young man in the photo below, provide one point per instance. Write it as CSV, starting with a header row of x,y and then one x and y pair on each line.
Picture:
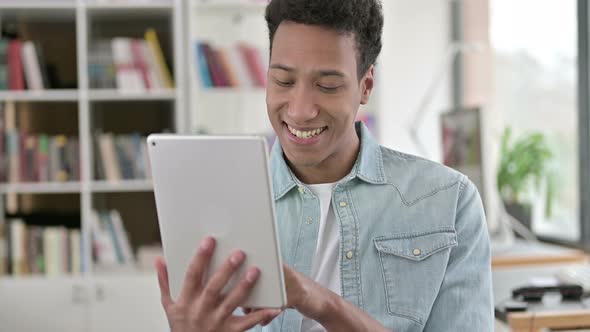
x,y
372,239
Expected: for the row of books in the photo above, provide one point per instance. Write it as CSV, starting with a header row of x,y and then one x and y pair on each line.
x,y
121,157
129,64
37,250
22,65
39,158
239,65
25,157
110,241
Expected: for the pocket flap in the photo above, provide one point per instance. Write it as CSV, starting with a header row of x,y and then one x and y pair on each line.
x,y
416,246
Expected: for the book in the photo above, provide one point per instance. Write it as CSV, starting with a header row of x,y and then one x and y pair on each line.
x,y
73,158
254,62
245,80
141,63
109,157
15,67
99,172
17,247
43,158
42,66
63,169
109,228
75,251
3,64
52,252
35,250
128,77
217,75
228,70
202,66
121,237
101,67
153,43
124,159
31,66
102,245
3,249
135,151
13,153
157,82
30,159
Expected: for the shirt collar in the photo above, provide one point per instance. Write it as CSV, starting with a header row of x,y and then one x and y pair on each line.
x,y
367,167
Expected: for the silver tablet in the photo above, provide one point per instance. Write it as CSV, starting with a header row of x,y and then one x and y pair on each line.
x,y
217,186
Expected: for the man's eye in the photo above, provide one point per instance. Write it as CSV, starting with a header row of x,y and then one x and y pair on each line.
x,y
328,89
283,83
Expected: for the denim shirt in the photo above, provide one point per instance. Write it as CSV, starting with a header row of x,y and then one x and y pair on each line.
x,y
414,247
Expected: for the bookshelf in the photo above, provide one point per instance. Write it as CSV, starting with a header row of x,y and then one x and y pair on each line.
x,y
95,297
224,25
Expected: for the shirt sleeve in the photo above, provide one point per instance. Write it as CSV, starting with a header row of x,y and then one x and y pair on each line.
x,y
465,301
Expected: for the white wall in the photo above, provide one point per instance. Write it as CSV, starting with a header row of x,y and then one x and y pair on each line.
x,y
415,39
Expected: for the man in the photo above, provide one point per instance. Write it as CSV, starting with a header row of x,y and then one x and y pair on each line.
x,y
372,239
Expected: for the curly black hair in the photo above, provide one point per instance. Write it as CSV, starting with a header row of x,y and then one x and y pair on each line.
x,y
362,18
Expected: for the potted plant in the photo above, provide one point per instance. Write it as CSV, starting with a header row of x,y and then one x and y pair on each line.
x,y
524,163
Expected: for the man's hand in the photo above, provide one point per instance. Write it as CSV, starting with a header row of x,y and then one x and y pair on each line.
x,y
324,306
307,296
202,307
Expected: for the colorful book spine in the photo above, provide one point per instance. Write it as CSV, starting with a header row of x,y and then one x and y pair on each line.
x,y
151,39
4,64
16,79
31,66
202,67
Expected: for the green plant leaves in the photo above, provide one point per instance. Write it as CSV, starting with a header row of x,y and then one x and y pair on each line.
x,y
522,162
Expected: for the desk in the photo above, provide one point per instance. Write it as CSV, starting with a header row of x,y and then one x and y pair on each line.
x,y
523,252
505,279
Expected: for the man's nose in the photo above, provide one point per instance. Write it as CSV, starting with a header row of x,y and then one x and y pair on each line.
x,y
302,107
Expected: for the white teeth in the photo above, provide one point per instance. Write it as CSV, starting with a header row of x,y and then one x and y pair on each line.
x,y
305,134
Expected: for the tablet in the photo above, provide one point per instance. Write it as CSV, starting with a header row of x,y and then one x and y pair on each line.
x,y
217,186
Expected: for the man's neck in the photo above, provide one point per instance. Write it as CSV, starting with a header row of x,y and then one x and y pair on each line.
x,y
332,169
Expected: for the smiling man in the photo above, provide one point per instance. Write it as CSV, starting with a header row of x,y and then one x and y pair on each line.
x,y
373,239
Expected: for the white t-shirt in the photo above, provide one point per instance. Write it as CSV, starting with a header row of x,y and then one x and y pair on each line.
x,y
325,264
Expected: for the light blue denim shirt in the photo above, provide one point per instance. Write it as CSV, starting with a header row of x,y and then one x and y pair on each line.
x,y
414,247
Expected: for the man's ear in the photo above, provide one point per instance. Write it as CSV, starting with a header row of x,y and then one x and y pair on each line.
x,y
367,84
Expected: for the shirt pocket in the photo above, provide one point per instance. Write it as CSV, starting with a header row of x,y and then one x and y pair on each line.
x,y
413,267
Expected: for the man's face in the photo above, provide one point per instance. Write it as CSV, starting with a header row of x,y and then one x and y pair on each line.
x,y
314,93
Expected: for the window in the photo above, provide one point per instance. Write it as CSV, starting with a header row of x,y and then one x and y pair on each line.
x,y
534,57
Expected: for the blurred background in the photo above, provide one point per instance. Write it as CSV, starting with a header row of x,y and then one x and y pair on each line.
x,y
496,89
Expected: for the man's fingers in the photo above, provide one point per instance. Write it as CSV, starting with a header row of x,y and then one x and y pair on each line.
x,y
194,275
163,282
257,317
220,278
237,295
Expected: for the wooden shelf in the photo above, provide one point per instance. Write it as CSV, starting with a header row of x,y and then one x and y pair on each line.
x,y
121,186
54,95
117,95
41,188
